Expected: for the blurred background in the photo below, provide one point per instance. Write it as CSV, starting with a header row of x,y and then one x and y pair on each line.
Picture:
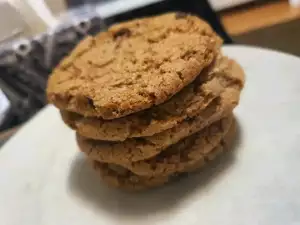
x,y
36,34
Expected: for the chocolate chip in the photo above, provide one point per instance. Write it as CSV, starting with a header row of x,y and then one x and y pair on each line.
x,y
124,32
180,15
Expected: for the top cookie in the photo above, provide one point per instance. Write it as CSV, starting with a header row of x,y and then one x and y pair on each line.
x,y
187,103
133,66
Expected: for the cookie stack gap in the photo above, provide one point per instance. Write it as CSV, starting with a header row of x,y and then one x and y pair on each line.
x,y
149,99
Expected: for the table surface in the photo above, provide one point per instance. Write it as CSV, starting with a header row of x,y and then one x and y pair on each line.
x,y
44,180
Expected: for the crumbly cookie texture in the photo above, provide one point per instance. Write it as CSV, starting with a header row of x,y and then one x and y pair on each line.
x,y
133,66
124,179
136,149
187,103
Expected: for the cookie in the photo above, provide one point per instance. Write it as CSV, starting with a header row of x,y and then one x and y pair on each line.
x,y
137,149
132,66
122,178
185,104
186,153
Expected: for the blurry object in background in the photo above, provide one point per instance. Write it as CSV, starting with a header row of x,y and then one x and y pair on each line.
x,y
16,25
285,37
4,107
34,22
277,27
76,3
201,8
259,15
115,11
294,3
26,64
56,6
109,8
225,4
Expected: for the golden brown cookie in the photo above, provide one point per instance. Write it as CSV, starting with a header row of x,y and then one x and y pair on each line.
x,y
122,178
132,66
185,104
137,149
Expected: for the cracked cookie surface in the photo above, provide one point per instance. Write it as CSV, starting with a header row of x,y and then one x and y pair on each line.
x,y
187,103
133,66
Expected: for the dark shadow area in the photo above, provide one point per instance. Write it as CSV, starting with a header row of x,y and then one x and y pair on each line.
x,y
283,37
85,184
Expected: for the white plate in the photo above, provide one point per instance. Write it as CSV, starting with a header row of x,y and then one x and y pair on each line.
x,y
45,181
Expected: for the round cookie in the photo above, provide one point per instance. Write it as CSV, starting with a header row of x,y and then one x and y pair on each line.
x,y
186,104
137,149
132,66
122,178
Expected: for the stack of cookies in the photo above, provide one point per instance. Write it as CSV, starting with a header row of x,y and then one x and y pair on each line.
x,y
149,99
